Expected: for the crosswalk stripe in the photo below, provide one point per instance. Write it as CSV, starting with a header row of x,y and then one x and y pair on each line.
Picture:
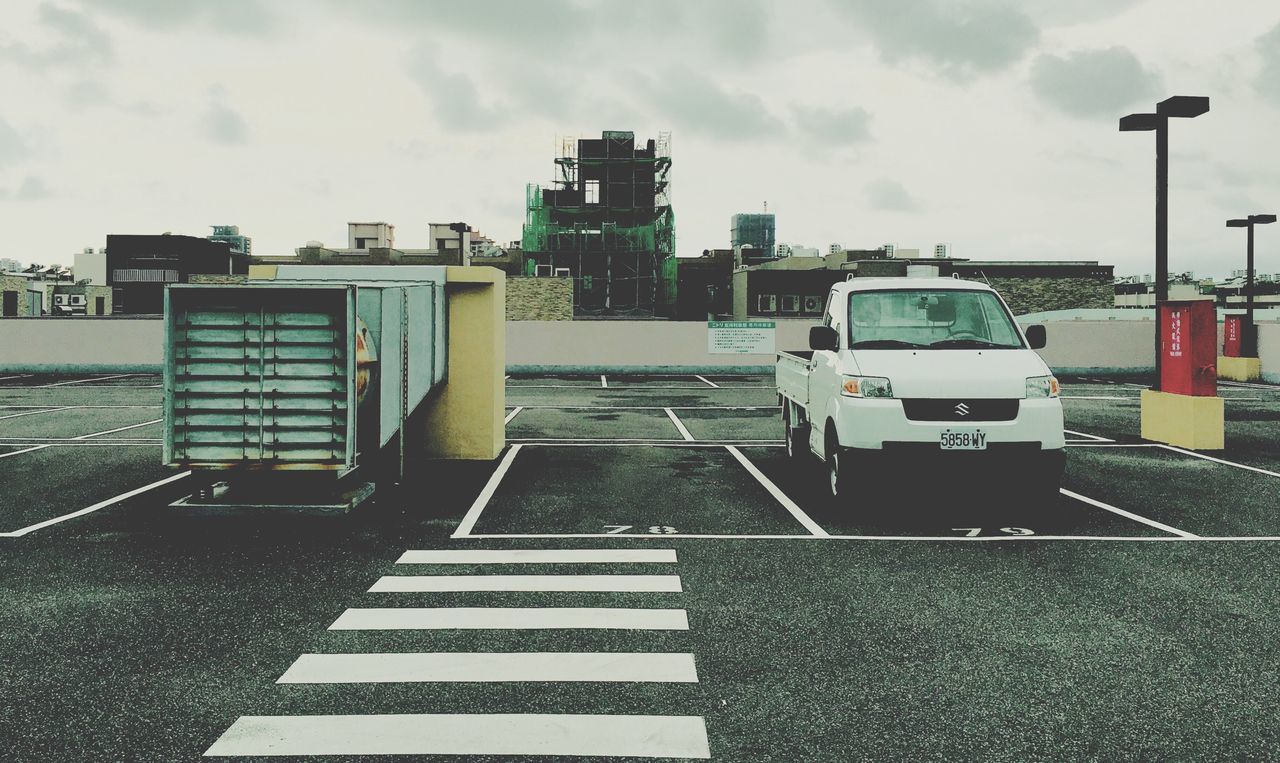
x,y
646,736
488,667
441,583
540,556
510,618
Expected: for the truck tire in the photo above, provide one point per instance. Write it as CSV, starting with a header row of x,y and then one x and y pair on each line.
x,y
797,437
839,470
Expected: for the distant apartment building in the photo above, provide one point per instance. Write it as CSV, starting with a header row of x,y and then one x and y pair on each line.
x,y
89,266
139,266
756,230
9,266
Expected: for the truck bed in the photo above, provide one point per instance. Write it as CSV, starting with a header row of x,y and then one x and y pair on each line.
x,y
791,374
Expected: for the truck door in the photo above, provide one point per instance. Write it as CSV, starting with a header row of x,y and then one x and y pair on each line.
x,y
824,381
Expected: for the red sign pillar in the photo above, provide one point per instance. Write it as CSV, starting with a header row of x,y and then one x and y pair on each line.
x,y
1233,336
1188,348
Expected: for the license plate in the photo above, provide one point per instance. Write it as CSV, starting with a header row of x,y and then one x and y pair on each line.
x,y
964,440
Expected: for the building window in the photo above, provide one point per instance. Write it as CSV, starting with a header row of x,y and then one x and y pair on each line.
x,y
144,275
766,303
790,303
591,191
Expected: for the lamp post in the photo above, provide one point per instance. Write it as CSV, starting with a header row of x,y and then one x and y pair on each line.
x,y
1179,106
1250,348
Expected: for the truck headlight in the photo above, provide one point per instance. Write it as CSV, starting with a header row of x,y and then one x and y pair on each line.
x,y
1042,386
866,386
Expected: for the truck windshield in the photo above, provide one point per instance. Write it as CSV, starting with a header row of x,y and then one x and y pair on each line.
x,y
944,319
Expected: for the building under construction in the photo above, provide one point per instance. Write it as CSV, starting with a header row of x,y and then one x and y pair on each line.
x,y
607,223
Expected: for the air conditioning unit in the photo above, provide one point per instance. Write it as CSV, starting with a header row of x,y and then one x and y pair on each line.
x,y
790,303
813,304
563,273
542,271
766,303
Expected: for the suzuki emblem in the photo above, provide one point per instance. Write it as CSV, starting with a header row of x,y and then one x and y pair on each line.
x,y
962,410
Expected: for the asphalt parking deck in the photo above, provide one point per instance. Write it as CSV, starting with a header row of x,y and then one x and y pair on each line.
x,y
1131,618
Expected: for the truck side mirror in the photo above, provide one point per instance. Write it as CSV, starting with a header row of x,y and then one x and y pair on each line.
x,y
823,338
1036,336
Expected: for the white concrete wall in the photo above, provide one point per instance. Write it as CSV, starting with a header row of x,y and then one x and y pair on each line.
x,y
125,344
1269,351
654,346
81,344
1100,346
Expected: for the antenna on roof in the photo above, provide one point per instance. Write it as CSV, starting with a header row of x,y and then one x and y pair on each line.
x,y
766,206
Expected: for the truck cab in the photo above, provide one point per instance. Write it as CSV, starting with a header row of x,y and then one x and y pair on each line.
x,y
932,371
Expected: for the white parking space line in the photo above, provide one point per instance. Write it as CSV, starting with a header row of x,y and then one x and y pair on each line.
x,y
813,527
638,389
1217,460
26,407
83,381
1126,514
24,450
451,667
541,556
510,618
513,414
1088,436
643,736
604,383
708,382
679,424
482,500
534,583
60,443
650,407
32,413
99,505
1249,385
534,442
1110,444
117,429
901,538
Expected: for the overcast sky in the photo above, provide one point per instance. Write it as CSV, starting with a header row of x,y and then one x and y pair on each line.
x,y
987,125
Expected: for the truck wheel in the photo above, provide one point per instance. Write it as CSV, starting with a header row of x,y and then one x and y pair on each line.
x,y
797,439
839,472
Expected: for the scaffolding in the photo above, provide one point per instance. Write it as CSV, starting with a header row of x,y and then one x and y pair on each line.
x,y
607,220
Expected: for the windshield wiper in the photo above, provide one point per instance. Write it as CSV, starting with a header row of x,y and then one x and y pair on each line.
x,y
883,344
971,343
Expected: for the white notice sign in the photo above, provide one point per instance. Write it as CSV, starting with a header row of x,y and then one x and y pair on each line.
x,y
740,337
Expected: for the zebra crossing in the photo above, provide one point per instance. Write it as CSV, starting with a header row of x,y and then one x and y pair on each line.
x,y
480,733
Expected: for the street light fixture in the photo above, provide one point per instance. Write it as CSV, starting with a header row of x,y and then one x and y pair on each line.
x,y
1182,107
1250,348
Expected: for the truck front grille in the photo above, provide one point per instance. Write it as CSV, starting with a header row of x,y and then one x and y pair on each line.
x,y
937,409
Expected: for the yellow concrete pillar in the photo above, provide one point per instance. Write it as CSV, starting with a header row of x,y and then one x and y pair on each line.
x,y
465,420
1195,423
1239,369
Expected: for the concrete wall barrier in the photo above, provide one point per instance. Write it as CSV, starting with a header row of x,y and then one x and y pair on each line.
x,y
108,344
122,344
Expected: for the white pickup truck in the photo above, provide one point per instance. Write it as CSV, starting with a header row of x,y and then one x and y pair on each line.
x,y
934,371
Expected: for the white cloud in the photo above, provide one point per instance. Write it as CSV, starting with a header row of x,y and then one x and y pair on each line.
x,y
1093,83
